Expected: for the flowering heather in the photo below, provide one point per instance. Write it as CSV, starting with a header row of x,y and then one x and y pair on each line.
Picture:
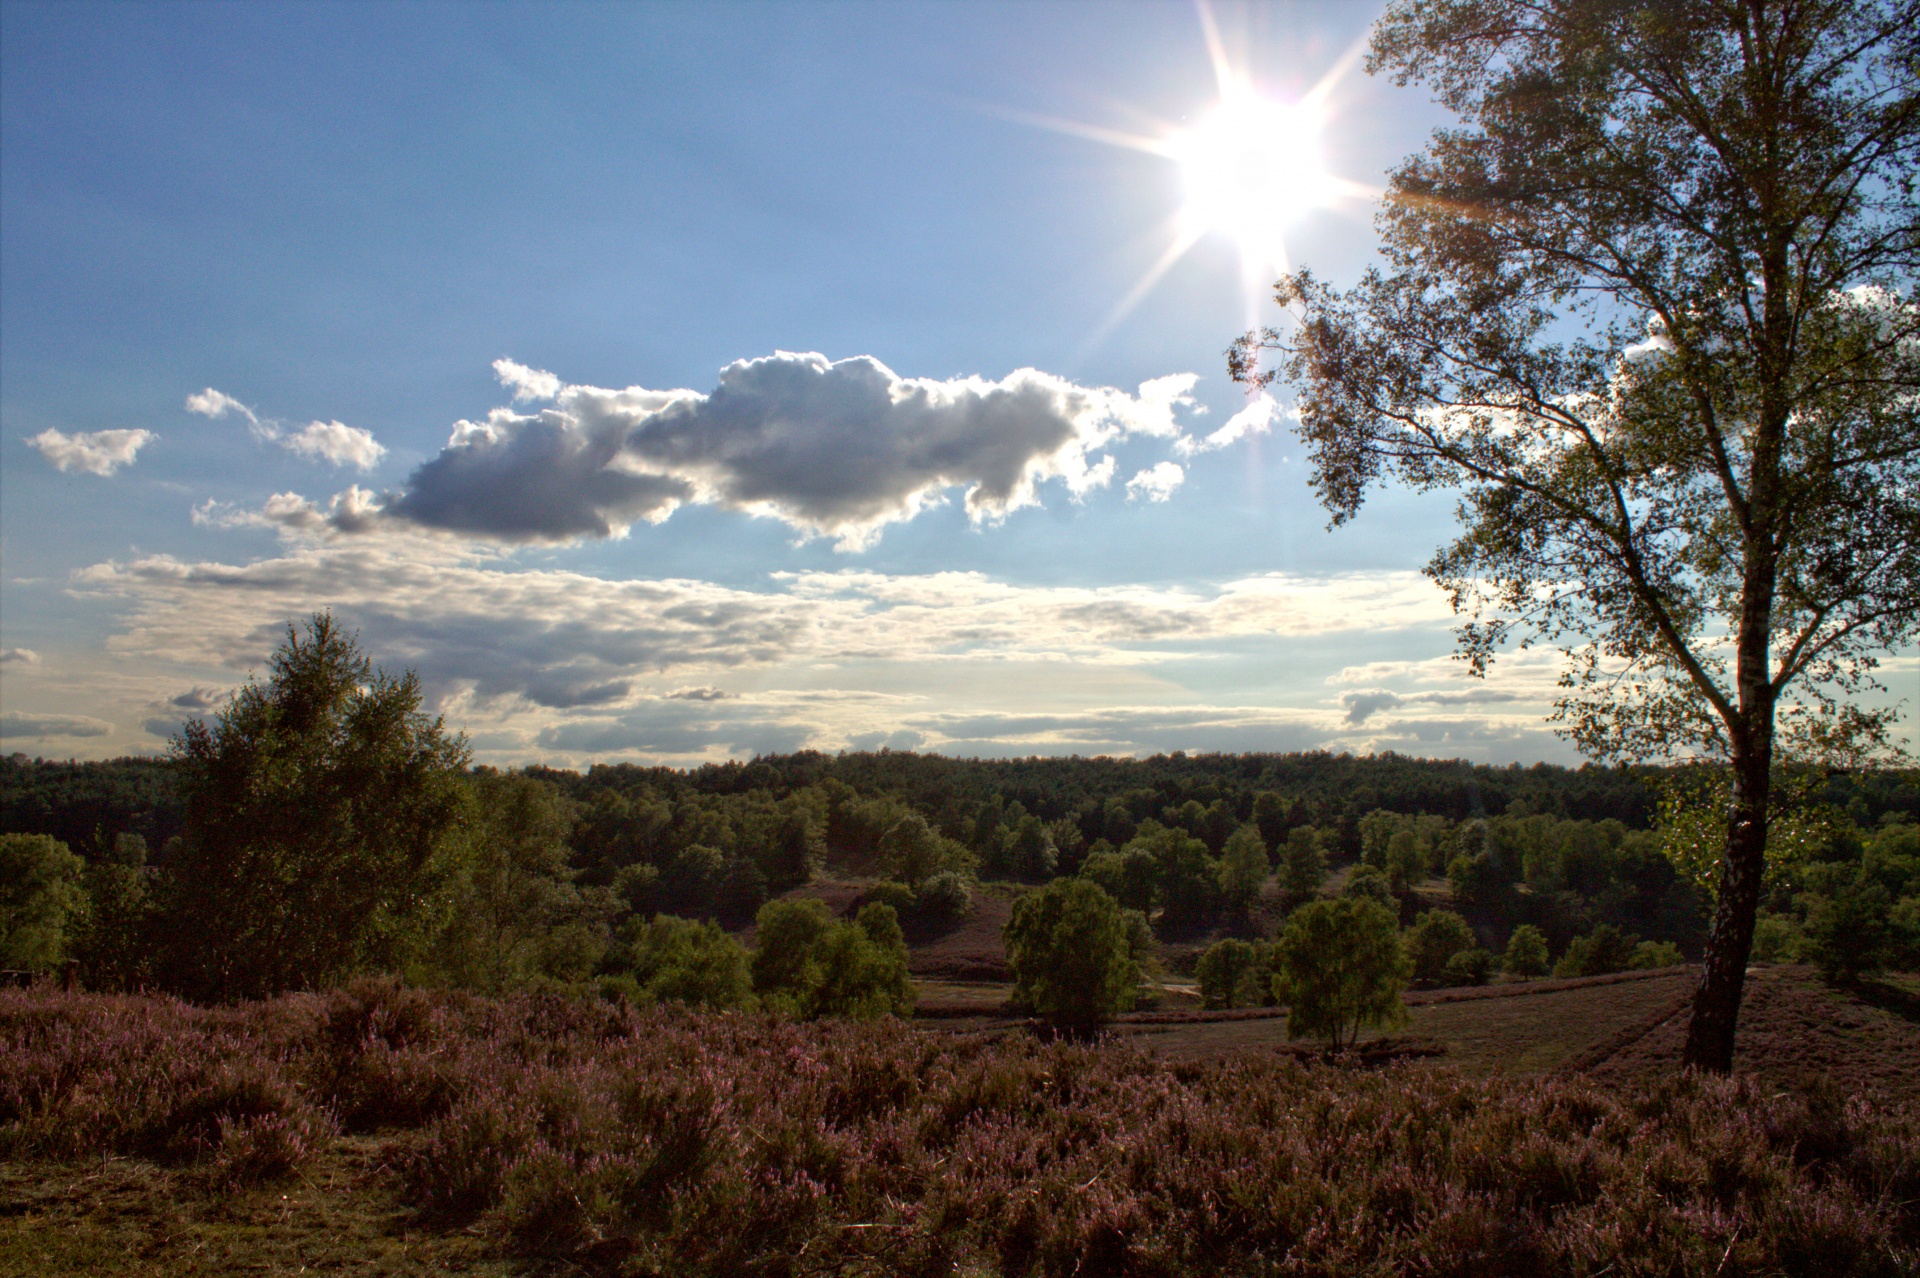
x,y
664,1142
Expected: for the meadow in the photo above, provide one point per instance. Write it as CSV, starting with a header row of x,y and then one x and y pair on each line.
x,y
378,1128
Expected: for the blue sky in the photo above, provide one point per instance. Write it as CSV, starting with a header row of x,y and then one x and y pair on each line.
x,y
399,294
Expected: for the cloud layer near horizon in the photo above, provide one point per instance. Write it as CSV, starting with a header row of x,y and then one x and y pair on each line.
x,y
832,448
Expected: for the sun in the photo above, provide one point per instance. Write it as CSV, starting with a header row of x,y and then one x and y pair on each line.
x,y
1251,168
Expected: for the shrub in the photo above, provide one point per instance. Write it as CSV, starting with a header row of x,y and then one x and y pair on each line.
x,y
1848,931
1526,954
1606,949
680,960
39,893
812,965
1469,967
1235,973
1072,958
944,897
913,851
1305,862
1130,875
1340,969
1778,938
1243,869
1366,882
1650,954
897,895
1433,940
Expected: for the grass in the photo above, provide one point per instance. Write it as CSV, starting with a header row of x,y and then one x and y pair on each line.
x,y
379,1129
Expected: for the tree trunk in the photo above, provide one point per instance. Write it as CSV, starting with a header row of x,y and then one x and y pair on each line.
x,y
1716,1001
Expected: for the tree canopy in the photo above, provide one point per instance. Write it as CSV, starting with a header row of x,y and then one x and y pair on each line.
x,y
1650,309
316,804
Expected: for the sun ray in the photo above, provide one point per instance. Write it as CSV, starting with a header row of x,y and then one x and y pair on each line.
x,y
1182,241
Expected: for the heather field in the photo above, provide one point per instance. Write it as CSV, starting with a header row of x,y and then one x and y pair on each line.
x,y
380,1129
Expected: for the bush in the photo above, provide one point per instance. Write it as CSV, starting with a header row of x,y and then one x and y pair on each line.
x,y
1778,938
1071,954
1849,931
899,896
1651,954
811,965
1340,969
39,895
944,897
1469,967
1526,954
680,960
1366,882
1236,973
1604,950
1434,939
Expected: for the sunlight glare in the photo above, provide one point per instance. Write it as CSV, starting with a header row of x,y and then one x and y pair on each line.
x,y
1251,168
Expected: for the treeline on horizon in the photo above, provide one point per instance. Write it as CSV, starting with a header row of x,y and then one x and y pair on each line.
x,y
562,878
87,803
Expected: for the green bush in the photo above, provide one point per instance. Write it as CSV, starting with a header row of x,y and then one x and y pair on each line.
x,y
944,897
1849,930
1236,973
1304,862
902,898
40,895
1469,967
1651,954
1435,938
1341,969
681,960
1526,954
1606,949
810,964
1366,882
1778,938
1072,954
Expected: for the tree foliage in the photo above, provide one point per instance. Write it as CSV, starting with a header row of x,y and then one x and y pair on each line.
x,y
1650,308
1340,970
317,805
1072,954
40,894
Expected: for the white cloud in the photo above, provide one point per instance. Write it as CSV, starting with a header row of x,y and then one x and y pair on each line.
x,y
336,442
19,657
1157,482
525,383
837,449
97,452
52,725
216,404
1255,419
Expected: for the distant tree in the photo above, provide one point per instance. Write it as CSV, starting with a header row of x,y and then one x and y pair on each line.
x,y
1848,931
1406,862
1604,950
1651,954
1435,938
1340,969
1243,870
1130,875
944,897
508,883
1270,813
40,895
1072,956
1304,864
1189,882
1377,829
1526,952
685,961
810,964
112,939
913,851
319,806
1368,882
1235,973
1649,309
1470,966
